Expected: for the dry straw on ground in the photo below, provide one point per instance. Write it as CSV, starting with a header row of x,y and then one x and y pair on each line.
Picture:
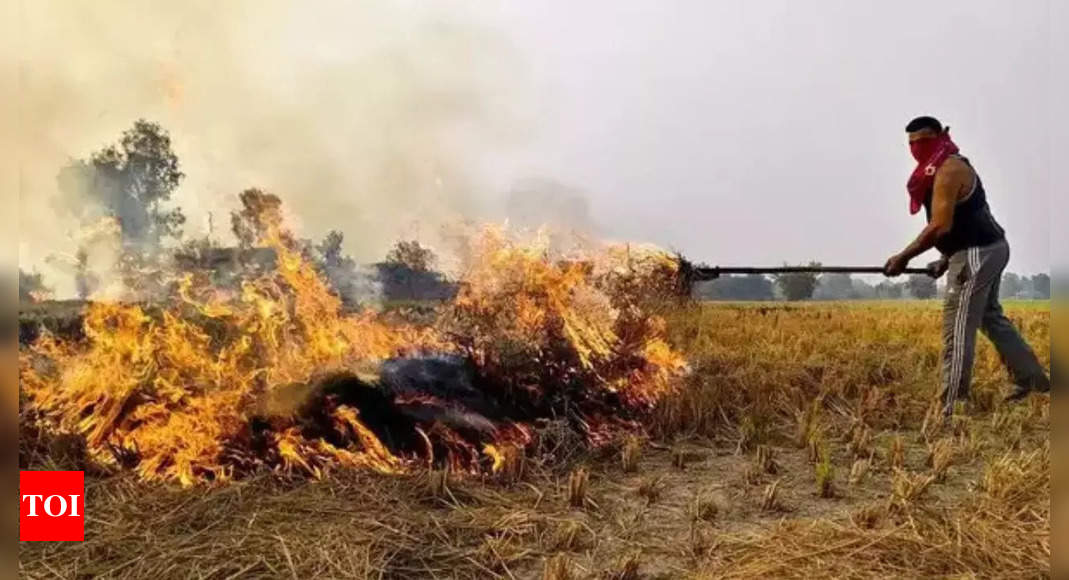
x,y
756,372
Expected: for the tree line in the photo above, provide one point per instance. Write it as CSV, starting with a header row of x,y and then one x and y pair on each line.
x,y
132,182
806,286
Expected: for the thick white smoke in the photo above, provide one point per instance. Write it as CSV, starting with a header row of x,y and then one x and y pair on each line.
x,y
367,117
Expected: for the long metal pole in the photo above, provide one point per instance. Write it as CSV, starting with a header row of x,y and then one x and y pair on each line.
x,y
713,272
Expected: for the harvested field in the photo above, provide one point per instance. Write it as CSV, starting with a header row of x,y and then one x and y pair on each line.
x,y
560,291
800,445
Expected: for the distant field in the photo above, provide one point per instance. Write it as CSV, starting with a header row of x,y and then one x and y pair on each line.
x,y
1031,304
933,303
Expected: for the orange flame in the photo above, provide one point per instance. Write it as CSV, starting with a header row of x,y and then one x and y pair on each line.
x,y
175,390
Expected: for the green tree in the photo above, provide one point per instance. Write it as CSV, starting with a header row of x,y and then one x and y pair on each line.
x,y
408,274
132,181
921,286
1041,286
799,285
745,287
835,287
411,255
1011,285
863,290
888,290
330,249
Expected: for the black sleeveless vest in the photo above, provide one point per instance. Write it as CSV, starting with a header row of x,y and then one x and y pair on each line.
x,y
974,226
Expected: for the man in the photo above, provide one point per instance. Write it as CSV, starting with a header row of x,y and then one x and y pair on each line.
x,y
975,253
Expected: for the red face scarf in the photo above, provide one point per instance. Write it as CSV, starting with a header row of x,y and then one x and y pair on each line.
x,y
930,153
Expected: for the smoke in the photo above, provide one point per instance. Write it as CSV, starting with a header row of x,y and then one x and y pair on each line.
x,y
559,213
364,117
535,202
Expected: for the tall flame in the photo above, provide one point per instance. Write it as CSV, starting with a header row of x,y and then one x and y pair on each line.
x,y
196,389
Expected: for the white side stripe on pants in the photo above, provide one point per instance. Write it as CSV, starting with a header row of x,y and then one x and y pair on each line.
x,y
961,325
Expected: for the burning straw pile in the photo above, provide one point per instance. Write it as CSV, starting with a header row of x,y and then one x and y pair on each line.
x,y
219,383
554,335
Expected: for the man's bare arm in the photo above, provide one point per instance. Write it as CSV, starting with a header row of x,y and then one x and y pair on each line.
x,y
951,182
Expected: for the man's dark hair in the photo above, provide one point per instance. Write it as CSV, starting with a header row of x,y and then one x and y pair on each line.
x,y
924,123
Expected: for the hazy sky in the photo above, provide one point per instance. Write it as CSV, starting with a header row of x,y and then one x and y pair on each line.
x,y
760,131
746,132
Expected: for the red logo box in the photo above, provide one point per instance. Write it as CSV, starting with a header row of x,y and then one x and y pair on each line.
x,y
51,506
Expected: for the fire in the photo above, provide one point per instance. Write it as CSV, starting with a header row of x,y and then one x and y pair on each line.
x,y
576,327
220,382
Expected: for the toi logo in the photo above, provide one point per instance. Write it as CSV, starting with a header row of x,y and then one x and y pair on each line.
x,y
51,506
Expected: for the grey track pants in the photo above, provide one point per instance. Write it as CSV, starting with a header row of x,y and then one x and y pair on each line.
x,y
972,303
